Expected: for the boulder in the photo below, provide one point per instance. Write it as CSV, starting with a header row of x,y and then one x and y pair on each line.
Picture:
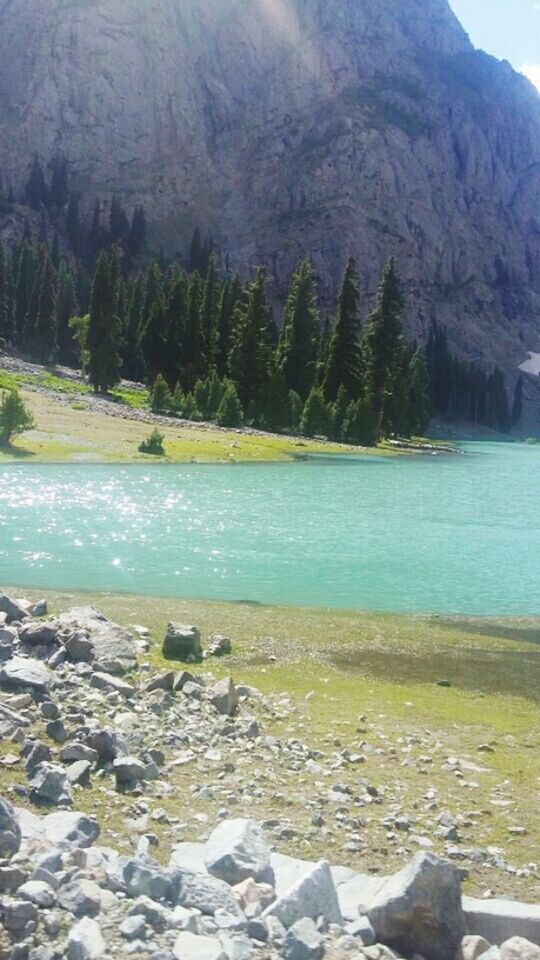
x,y
85,941
313,895
37,892
418,910
106,681
163,681
33,753
39,609
129,770
224,697
203,893
49,784
303,941
78,751
10,831
182,642
79,773
79,647
219,646
499,920
37,634
472,947
237,850
13,609
20,673
188,946
80,897
113,645
108,745
141,878
517,948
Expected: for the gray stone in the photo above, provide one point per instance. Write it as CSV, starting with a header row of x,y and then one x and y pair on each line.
x,y
362,931
12,608
182,642
500,920
33,753
56,730
70,829
106,681
163,681
237,850
112,644
81,897
10,831
38,892
49,784
141,878
37,634
78,751
79,772
224,697
472,947
154,913
303,941
39,609
517,948
85,941
188,946
219,646
108,745
79,647
134,927
204,893
49,710
21,672
313,895
16,914
128,770
419,909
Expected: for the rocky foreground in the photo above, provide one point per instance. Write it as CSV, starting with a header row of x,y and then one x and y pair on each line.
x,y
76,709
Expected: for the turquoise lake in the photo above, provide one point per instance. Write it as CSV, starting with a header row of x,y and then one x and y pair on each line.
x,y
444,534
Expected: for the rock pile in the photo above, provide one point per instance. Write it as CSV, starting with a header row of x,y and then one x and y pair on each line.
x,y
75,720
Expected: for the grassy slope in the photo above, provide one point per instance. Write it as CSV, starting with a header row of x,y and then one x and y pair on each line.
x,y
373,678
72,432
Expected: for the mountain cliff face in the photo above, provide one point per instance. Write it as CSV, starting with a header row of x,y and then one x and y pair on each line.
x,y
286,127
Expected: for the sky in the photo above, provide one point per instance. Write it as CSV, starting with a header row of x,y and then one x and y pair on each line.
x,y
508,29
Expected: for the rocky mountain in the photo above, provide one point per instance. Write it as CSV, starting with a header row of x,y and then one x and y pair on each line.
x,y
286,127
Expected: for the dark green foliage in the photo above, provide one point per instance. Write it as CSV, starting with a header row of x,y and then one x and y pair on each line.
x,y
339,412
162,401
153,342
176,319
153,444
194,361
25,283
317,418
250,354
230,295
36,193
73,225
299,340
137,233
178,399
230,412
4,329
360,424
190,411
104,331
133,363
66,307
210,312
119,229
42,329
15,417
276,409
58,194
384,350
343,365
419,392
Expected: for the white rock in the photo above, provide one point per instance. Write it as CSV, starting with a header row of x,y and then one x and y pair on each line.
x,y
313,895
188,946
85,941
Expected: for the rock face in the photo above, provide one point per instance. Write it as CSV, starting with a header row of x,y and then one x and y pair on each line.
x,y
419,909
308,126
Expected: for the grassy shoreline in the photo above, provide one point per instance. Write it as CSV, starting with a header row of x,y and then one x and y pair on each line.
x,y
365,677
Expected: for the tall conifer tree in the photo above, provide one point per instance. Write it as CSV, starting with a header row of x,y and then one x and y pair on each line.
x,y
298,344
344,360
104,331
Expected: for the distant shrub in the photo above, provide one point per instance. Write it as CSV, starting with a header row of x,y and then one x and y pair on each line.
x,y
153,444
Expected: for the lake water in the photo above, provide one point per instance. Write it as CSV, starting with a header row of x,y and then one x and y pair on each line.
x,y
448,534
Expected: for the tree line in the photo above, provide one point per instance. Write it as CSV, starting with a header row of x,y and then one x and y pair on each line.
x,y
207,344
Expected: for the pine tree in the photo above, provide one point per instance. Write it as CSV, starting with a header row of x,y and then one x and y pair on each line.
x,y
15,417
360,424
96,239
194,362
162,401
73,224
118,222
317,415
230,295
230,412
249,357
36,193
384,349
66,308
153,341
58,194
104,332
340,411
137,232
153,291
26,277
299,340
344,360
43,337
4,330
176,310
190,411
133,362
196,255
178,399
210,311
275,403
419,392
